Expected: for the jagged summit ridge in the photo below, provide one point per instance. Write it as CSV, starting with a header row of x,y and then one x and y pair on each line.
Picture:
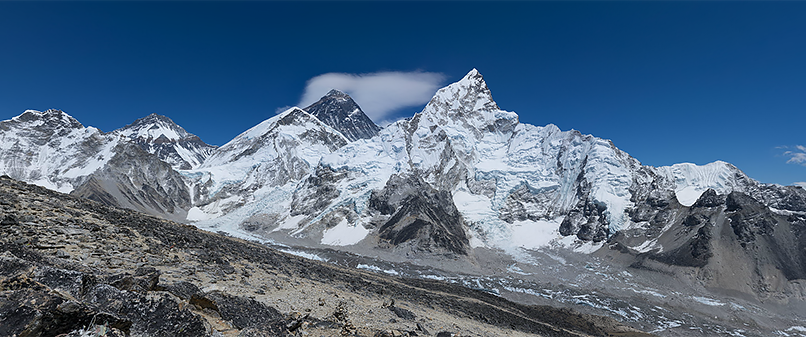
x,y
498,171
51,119
338,110
51,149
159,135
154,126
336,93
470,101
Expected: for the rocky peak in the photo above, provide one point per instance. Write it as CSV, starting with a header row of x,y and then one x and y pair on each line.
x,y
470,103
157,134
154,126
337,93
339,111
154,118
51,118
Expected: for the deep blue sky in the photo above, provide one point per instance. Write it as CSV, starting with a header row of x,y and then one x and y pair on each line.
x,y
667,82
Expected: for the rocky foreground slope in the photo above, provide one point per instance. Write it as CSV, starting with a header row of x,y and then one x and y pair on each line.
x,y
68,264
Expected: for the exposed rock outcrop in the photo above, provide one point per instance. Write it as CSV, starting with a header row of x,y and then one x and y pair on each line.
x,y
338,110
419,216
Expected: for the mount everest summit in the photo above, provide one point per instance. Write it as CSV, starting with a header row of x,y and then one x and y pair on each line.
x,y
458,176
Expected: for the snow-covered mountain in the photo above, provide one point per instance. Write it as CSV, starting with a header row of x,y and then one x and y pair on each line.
x,y
309,171
504,177
130,167
271,156
52,149
338,110
159,135
464,174
460,179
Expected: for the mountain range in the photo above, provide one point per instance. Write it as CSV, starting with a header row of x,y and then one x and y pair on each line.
x,y
458,181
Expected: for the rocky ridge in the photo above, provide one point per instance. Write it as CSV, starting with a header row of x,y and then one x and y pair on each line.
x,y
339,111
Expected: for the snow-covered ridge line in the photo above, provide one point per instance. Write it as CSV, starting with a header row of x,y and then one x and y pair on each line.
x,y
505,173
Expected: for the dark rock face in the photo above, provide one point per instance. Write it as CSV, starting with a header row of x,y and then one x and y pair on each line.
x,y
587,221
709,198
339,111
402,313
769,237
736,230
241,312
421,216
750,218
696,220
787,198
138,180
41,312
526,204
56,301
154,314
184,290
9,220
694,253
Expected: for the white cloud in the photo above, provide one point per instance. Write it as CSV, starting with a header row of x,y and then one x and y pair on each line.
x,y
281,109
801,184
379,94
797,156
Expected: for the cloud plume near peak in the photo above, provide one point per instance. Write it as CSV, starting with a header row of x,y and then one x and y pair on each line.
x,y
379,94
796,156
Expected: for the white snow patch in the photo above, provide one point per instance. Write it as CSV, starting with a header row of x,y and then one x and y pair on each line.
x,y
707,301
377,269
647,246
290,223
648,292
688,195
306,255
434,277
196,214
344,234
474,207
579,246
534,234
692,180
517,270
588,247
665,325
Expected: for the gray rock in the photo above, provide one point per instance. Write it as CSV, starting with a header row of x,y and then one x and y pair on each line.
x,y
339,111
421,216
241,312
154,314
403,313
